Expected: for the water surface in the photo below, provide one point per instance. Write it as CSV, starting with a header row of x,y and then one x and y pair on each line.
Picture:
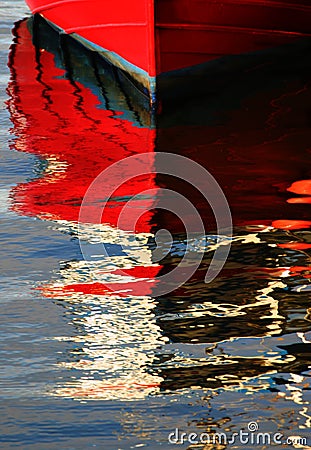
x,y
92,357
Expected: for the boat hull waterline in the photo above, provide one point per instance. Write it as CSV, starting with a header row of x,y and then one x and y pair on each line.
x,y
146,39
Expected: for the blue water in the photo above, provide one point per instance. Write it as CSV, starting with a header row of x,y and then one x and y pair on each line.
x,y
82,367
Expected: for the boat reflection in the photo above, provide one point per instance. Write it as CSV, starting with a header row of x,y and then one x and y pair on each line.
x,y
254,319
68,121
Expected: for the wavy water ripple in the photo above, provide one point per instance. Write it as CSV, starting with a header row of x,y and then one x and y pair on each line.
x,y
92,356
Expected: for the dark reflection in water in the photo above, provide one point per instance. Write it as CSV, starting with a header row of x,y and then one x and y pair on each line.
x,y
246,332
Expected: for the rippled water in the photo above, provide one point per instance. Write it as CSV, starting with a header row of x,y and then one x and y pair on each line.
x,y
92,356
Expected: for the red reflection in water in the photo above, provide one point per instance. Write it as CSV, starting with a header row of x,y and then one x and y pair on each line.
x,y
302,187
256,165
295,245
291,224
142,283
62,123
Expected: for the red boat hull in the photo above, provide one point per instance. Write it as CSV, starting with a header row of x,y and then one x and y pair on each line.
x,y
147,38
191,32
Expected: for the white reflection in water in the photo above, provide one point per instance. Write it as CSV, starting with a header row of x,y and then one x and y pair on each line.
x,y
119,340
117,330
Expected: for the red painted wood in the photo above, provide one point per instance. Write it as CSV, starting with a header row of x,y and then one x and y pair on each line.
x,y
188,32
179,48
123,27
257,14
